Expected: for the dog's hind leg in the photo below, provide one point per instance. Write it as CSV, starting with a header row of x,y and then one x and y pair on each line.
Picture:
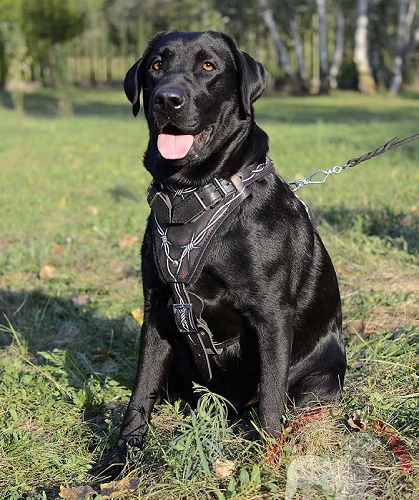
x,y
318,378
317,388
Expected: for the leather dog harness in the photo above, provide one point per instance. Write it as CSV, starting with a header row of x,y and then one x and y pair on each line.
x,y
185,223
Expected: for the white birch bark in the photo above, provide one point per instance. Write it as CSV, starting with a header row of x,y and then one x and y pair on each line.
x,y
323,59
414,42
366,82
339,44
280,47
298,47
407,10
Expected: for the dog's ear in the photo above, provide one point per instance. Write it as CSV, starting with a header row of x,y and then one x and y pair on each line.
x,y
132,85
134,77
252,76
252,80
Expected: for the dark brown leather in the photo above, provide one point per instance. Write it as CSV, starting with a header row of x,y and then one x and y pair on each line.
x,y
179,248
185,222
187,310
192,205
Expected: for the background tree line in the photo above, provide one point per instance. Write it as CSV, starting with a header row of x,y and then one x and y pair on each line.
x,y
307,45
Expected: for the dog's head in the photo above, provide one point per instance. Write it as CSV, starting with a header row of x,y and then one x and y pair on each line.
x,y
198,90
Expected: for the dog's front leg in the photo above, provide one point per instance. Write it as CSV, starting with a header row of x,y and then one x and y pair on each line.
x,y
153,365
275,342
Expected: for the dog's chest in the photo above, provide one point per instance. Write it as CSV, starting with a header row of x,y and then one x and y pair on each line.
x,y
180,250
185,223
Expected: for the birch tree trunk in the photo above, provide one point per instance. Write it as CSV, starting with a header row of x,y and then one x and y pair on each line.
x,y
323,59
298,47
366,82
280,47
53,65
376,59
407,10
339,43
414,42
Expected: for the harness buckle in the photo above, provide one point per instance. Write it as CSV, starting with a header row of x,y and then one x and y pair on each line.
x,y
205,207
220,188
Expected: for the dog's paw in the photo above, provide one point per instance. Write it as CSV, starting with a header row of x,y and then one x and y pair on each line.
x,y
111,466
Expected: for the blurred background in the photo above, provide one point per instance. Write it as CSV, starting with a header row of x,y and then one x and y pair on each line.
x,y
307,45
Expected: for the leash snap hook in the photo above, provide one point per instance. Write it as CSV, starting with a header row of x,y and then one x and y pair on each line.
x,y
310,178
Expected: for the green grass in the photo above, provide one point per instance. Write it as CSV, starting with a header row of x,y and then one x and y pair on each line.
x,y
73,190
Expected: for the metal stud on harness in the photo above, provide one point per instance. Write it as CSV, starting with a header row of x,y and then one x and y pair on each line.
x,y
184,224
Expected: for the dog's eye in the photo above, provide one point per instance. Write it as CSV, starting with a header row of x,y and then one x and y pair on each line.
x,y
156,66
208,66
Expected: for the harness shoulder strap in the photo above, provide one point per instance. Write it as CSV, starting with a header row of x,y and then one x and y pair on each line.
x,y
187,310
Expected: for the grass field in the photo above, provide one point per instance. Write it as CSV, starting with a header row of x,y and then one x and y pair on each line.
x,y
73,210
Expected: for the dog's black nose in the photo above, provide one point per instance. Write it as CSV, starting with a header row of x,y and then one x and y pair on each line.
x,y
168,98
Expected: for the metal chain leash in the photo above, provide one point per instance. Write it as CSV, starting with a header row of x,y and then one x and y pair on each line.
x,y
323,175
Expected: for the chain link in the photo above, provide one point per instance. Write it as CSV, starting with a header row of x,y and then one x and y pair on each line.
x,y
310,179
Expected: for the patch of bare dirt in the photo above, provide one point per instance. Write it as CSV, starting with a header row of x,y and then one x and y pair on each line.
x,y
388,295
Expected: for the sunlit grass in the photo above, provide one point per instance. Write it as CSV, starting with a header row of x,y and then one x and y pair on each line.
x,y
73,198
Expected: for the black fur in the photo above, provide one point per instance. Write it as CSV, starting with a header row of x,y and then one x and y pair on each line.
x,y
268,279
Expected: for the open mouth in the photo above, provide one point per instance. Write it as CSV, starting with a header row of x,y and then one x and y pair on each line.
x,y
174,144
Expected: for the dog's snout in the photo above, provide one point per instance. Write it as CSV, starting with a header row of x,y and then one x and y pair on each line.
x,y
169,98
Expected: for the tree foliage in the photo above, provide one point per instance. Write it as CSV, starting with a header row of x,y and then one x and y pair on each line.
x,y
306,45
54,21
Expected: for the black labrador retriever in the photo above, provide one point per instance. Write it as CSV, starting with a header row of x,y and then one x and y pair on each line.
x,y
240,293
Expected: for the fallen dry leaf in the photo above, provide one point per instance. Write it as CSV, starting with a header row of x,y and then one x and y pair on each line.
x,y
223,468
80,300
94,211
115,489
101,356
47,273
127,241
58,250
357,421
137,314
77,493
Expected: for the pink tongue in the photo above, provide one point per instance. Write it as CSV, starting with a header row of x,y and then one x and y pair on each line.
x,y
173,147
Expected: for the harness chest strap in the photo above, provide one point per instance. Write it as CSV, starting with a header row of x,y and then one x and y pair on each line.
x,y
184,224
187,310
190,207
